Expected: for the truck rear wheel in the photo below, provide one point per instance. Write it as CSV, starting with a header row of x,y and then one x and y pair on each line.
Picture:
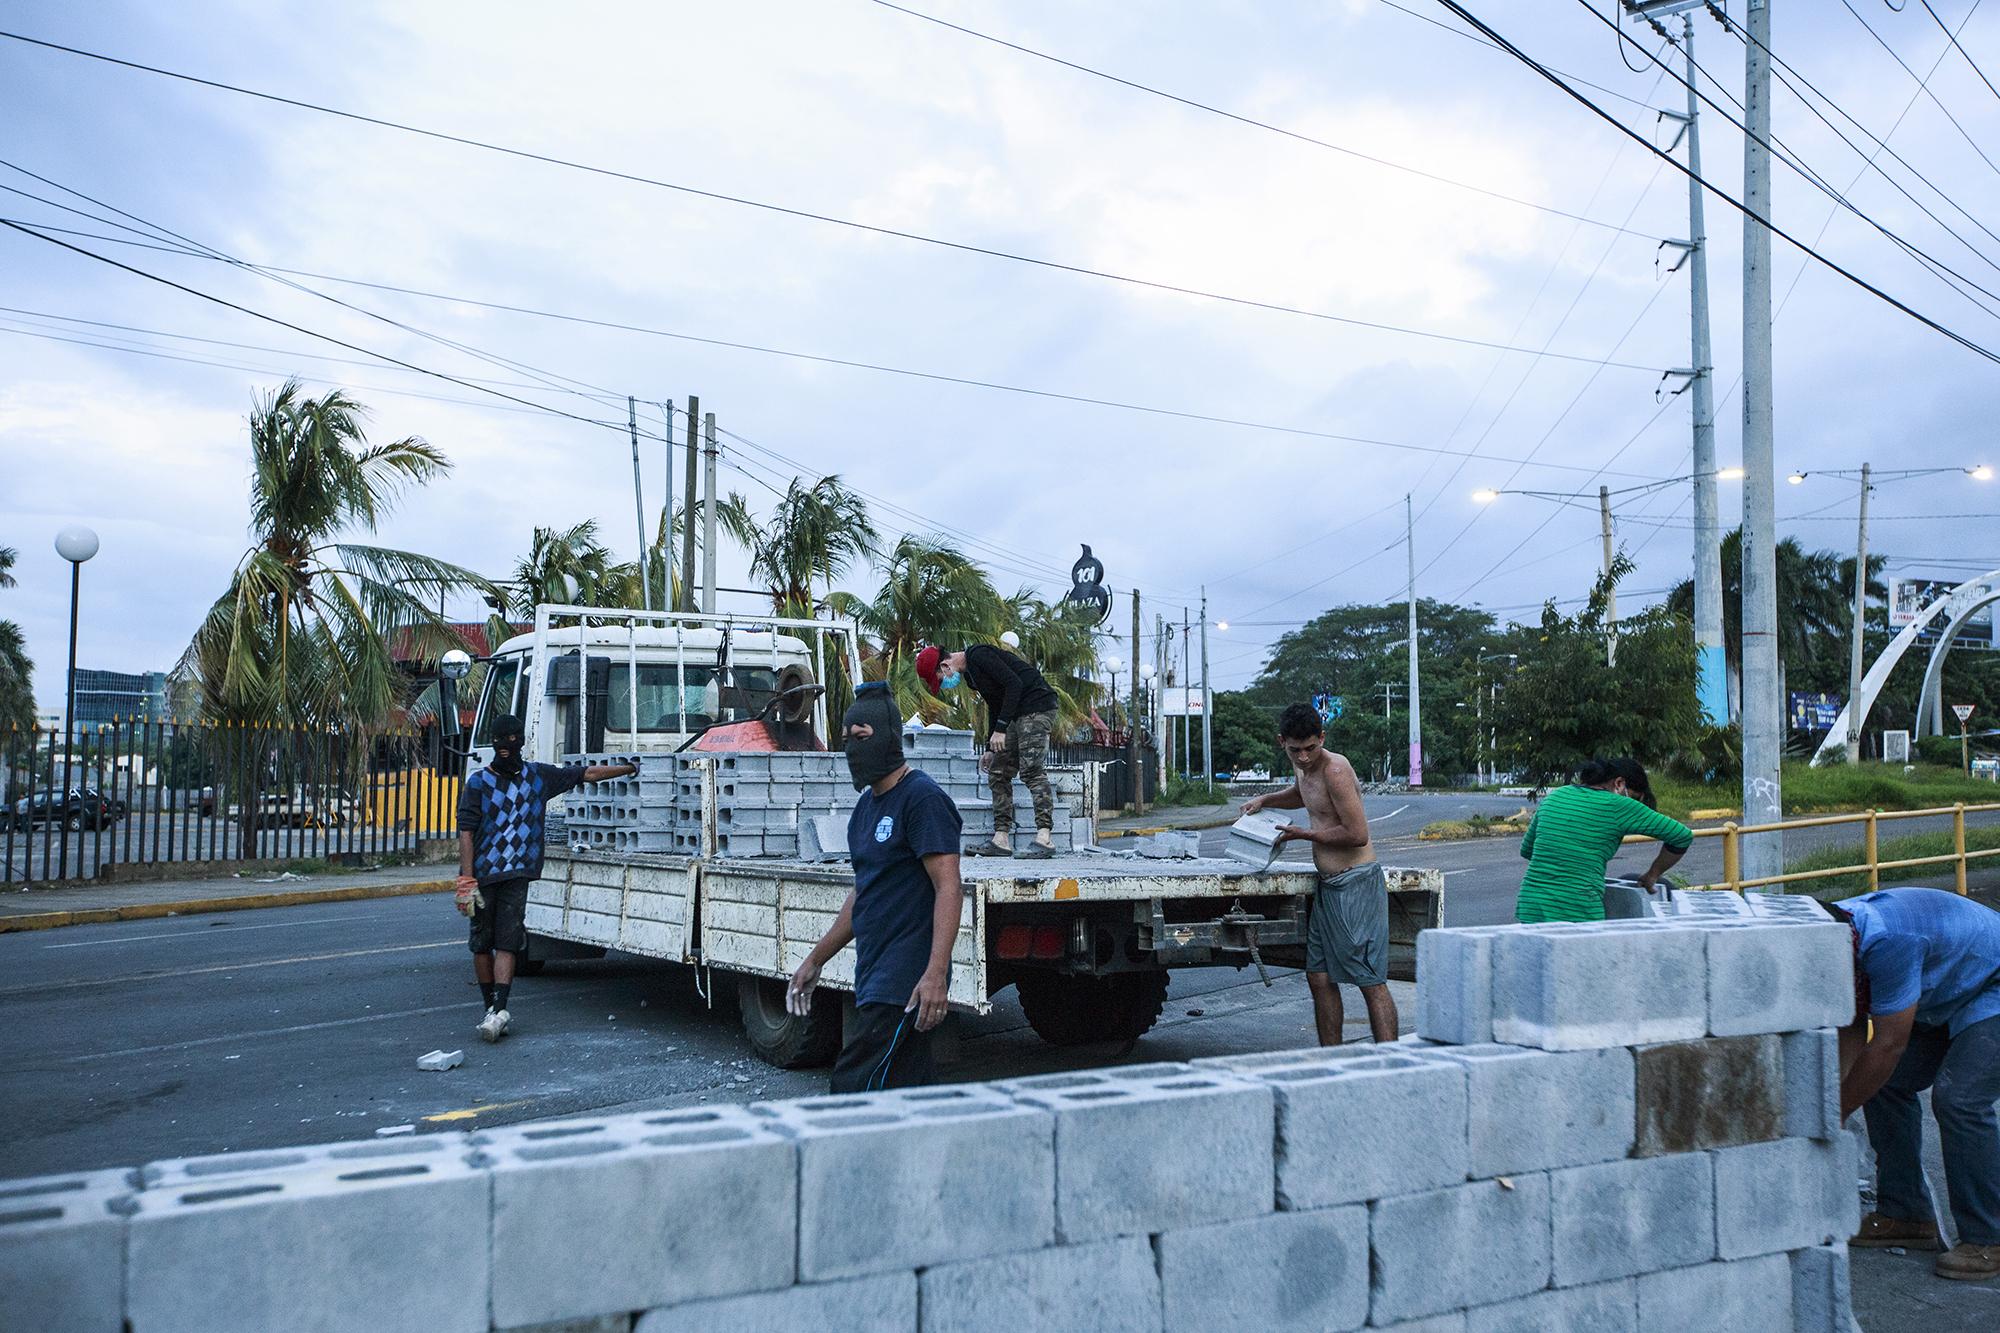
x,y
781,1037
1074,1011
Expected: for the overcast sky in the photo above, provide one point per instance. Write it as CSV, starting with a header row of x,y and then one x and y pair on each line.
x,y
849,109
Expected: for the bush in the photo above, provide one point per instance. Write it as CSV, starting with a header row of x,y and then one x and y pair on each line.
x,y
1938,750
1716,755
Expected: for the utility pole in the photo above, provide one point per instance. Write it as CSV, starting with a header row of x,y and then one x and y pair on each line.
x,y
1611,590
1763,710
709,457
1860,624
1207,701
1479,720
1132,720
1187,721
1163,734
638,502
1416,725
667,516
687,506
1711,657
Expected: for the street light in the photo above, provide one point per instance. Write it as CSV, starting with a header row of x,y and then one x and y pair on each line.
x,y
75,544
1114,665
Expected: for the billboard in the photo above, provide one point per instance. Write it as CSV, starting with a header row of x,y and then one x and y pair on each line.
x,y
1907,597
1176,702
1812,712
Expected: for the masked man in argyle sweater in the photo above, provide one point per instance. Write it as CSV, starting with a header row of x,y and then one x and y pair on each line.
x,y
502,812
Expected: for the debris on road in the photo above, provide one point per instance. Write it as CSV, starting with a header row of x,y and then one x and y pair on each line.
x,y
437,1062
391,1131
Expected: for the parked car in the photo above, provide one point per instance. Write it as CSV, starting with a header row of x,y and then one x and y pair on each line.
x,y
79,808
305,807
1257,774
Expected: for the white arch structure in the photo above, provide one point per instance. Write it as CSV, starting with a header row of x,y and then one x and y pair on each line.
x,y
1930,700
1955,608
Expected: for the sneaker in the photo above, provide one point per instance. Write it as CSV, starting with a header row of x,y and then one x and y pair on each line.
x,y
1969,1263
1879,1233
495,1023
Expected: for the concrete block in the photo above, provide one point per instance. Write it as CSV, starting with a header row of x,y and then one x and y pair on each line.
x,y
1530,1110
1775,976
620,1213
858,1305
1603,1307
1787,906
1172,845
1455,984
604,1323
1108,1287
1344,1117
1812,1084
362,1247
1788,1195
1289,1270
62,1252
1713,1093
1116,1174
1754,1295
1822,1300
1448,1249
823,837
1621,1218
175,1172
919,1176
1453,1322
1576,988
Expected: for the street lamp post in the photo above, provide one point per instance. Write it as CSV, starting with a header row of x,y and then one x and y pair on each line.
x,y
1114,665
75,544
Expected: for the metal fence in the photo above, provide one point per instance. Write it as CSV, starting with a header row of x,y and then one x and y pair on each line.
x,y
136,793
1958,858
1115,778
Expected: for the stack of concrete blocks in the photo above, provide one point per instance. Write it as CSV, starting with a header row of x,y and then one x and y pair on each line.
x,y
621,815
953,761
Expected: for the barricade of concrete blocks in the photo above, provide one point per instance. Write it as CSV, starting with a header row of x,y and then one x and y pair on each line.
x,y
1697,1182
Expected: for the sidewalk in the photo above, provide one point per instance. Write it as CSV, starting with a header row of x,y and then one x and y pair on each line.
x,y
43,909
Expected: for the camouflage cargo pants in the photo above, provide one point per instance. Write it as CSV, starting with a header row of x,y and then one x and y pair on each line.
x,y
1024,754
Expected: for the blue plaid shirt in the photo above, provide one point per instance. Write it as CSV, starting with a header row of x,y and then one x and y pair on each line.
x,y
506,816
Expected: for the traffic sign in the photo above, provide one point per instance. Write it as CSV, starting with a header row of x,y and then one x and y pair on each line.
x,y
1329,706
1964,712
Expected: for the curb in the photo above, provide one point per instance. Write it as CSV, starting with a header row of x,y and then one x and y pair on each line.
x,y
1151,829
88,916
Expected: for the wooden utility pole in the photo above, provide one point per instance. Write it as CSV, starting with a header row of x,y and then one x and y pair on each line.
x,y
688,494
1132,720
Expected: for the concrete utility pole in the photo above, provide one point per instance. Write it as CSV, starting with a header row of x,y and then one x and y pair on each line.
x,y
1711,657
687,506
709,456
1207,701
1763,710
667,515
1611,593
1860,625
1416,725
638,502
1187,721
1132,720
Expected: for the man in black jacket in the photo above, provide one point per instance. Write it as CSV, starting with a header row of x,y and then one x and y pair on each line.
x,y
1023,712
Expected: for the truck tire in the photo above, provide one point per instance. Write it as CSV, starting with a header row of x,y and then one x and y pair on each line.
x,y
1075,1011
782,1038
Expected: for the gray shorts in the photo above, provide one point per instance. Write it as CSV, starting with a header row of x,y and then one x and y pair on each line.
x,y
1347,936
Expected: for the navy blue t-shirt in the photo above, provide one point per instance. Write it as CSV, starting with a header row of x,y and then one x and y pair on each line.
x,y
888,837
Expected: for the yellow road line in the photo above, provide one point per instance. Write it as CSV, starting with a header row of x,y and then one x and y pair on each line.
x,y
470,1112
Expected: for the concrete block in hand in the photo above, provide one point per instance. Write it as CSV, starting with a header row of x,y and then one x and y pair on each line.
x,y
917,1176
1610,984
618,1213
857,1305
1455,984
1289,1270
1114,1174
1344,1117
362,1247
1822,1300
1252,837
1618,1219
1788,1195
1750,1294
1603,1307
1108,1287
62,1252
1530,1110
1714,1093
1448,1249
1812,1084
1776,976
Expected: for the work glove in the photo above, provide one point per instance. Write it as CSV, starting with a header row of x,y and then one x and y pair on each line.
x,y
468,898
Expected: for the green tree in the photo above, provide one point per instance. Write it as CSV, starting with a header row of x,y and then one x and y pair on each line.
x,y
1244,733
931,593
1060,639
1564,703
570,565
815,534
301,636
17,672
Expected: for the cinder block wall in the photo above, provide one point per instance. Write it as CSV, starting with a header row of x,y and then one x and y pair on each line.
x,y
1591,1129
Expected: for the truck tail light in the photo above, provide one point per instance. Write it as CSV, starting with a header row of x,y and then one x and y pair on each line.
x,y
1048,942
1013,942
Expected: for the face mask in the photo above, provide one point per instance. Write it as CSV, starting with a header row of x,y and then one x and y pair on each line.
x,y
880,754
507,754
949,682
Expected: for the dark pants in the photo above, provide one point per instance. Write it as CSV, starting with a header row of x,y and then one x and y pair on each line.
x,y
1963,1074
882,1049
503,922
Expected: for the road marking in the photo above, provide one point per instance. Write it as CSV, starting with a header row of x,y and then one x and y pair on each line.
x,y
203,932
176,973
471,1112
1393,813
193,1042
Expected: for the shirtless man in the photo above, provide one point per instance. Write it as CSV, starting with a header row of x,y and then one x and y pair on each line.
x,y
1348,936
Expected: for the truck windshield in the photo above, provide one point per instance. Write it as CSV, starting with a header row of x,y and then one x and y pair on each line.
x,y
501,678
662,705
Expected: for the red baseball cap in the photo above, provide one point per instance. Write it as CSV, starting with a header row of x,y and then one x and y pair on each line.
x,y
928,662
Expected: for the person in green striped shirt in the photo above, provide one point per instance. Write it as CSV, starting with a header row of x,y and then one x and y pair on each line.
x,y
1576,832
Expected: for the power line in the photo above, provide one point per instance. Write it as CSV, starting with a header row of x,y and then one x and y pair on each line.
x,y
964,247
854,364
1960,49
1481,42
1254,123
1923,87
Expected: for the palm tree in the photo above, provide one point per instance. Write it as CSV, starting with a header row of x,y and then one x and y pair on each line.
x,y
815,533
8,555
301,636
931,592
17,672
1060,640
663,555
570,565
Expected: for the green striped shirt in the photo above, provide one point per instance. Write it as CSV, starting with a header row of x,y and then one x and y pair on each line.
x,y
1572,839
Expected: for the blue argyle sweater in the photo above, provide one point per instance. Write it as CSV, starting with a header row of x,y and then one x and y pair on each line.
x,y
505,818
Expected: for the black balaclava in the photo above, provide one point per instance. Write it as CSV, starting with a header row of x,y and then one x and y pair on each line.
x,y
871,760
507,734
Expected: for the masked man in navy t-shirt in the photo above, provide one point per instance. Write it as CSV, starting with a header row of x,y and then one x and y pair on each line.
x,y
903,913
